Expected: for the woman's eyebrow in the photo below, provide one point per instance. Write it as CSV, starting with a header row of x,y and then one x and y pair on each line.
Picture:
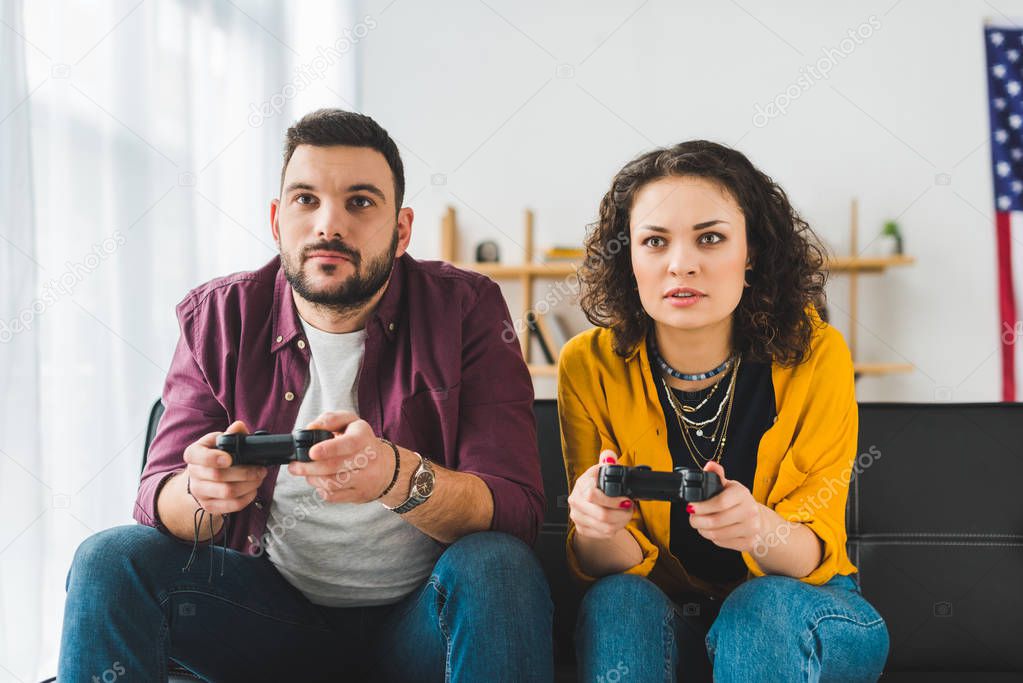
x,y
699,226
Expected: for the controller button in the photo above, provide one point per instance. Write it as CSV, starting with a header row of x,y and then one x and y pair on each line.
x,y
289,396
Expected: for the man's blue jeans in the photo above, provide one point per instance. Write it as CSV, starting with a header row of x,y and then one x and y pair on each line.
x,y
771,628
484,614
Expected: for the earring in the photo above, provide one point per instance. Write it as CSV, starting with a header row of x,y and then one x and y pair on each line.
x,y
744,281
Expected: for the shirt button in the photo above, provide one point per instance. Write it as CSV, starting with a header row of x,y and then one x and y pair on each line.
x,y
259,506
289,396
391,327
279,339
251,539
301,344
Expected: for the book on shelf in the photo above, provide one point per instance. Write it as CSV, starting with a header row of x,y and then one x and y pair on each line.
x,y
563,253
537,326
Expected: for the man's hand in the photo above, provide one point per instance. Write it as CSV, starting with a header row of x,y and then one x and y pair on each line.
x,y
732,519
219,486
353,467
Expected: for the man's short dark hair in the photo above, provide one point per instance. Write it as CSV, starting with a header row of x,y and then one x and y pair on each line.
x,y
326,127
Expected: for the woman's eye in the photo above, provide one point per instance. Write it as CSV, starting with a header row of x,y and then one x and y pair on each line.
x,y
711,238
654,241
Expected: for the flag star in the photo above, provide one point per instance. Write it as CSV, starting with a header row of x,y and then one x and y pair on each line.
x,y
999,103
1016,153
997,38
1002,168
1015,120
1001,135
1017,186
998,70
1004,202
1012,88
1013,55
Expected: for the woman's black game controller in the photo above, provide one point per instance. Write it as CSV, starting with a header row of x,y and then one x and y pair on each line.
x,y
261,448
642,483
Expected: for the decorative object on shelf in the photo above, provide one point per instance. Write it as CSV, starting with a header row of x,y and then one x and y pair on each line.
x,y
890,240
488,252
563,253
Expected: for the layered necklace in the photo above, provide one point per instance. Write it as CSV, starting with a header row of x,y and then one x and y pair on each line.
x,y
716,425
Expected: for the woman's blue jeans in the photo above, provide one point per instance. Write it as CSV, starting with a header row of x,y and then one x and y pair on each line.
x,y
484,614
771,628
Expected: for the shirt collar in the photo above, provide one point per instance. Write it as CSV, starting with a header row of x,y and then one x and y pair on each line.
x,y
287,325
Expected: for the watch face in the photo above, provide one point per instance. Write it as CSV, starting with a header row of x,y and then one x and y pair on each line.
x,y
423,484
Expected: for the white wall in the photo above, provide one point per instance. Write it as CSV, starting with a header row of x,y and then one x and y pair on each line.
x,y
471,91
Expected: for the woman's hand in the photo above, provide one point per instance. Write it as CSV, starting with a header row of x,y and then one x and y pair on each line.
x,y
594,514
732,519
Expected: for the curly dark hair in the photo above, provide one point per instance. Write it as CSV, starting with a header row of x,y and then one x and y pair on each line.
x,y
773,321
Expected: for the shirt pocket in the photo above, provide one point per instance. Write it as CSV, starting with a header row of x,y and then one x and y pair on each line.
x,y
429,420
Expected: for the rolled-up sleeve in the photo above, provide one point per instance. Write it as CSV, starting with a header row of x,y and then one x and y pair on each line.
x,y
496,424
582,441
191,410
813,480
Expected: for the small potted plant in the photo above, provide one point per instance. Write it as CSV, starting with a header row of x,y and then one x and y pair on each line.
x,y
890,242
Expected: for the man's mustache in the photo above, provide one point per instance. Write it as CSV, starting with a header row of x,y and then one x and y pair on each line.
x,y
335,246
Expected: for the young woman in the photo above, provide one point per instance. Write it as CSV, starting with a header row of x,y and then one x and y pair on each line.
x,y
710,354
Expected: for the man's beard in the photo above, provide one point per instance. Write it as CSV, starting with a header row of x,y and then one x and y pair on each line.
x,y
356,290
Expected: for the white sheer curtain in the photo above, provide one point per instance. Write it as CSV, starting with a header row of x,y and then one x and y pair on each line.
x,y
140,146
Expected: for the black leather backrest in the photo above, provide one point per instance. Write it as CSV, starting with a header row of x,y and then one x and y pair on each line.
x,y
155,413
941,469
936,529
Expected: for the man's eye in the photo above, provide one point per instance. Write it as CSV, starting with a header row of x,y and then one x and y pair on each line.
x,y
711,238
305,199
649,241
362,202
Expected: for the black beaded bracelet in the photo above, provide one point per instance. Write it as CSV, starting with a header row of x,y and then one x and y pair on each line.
x,y
397,466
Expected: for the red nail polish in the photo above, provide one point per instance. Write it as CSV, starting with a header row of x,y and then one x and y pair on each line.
x,y
689,509
626,504
609,461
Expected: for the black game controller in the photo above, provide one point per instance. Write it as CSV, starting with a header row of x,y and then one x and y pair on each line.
x,y
262,448
642,483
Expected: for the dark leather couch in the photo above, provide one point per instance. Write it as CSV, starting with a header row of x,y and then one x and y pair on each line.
x,y
935,521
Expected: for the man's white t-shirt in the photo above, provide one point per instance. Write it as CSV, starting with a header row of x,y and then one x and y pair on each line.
x,y
341,554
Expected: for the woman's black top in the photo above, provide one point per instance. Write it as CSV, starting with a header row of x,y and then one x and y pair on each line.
x,y
753,413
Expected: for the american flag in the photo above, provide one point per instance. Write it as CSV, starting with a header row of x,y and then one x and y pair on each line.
x,y
1005,99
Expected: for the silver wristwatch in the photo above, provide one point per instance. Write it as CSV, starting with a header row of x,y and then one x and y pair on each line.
x,y
422,487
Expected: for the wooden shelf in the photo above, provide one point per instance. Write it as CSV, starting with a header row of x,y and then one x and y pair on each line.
x,y
854,264
844,264
878,369
537,370
528,271
499,270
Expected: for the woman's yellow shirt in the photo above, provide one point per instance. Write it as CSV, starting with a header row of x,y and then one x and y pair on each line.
x,y
804,461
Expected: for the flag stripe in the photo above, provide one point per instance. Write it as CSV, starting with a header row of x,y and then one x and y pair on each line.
x,y
1006,304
